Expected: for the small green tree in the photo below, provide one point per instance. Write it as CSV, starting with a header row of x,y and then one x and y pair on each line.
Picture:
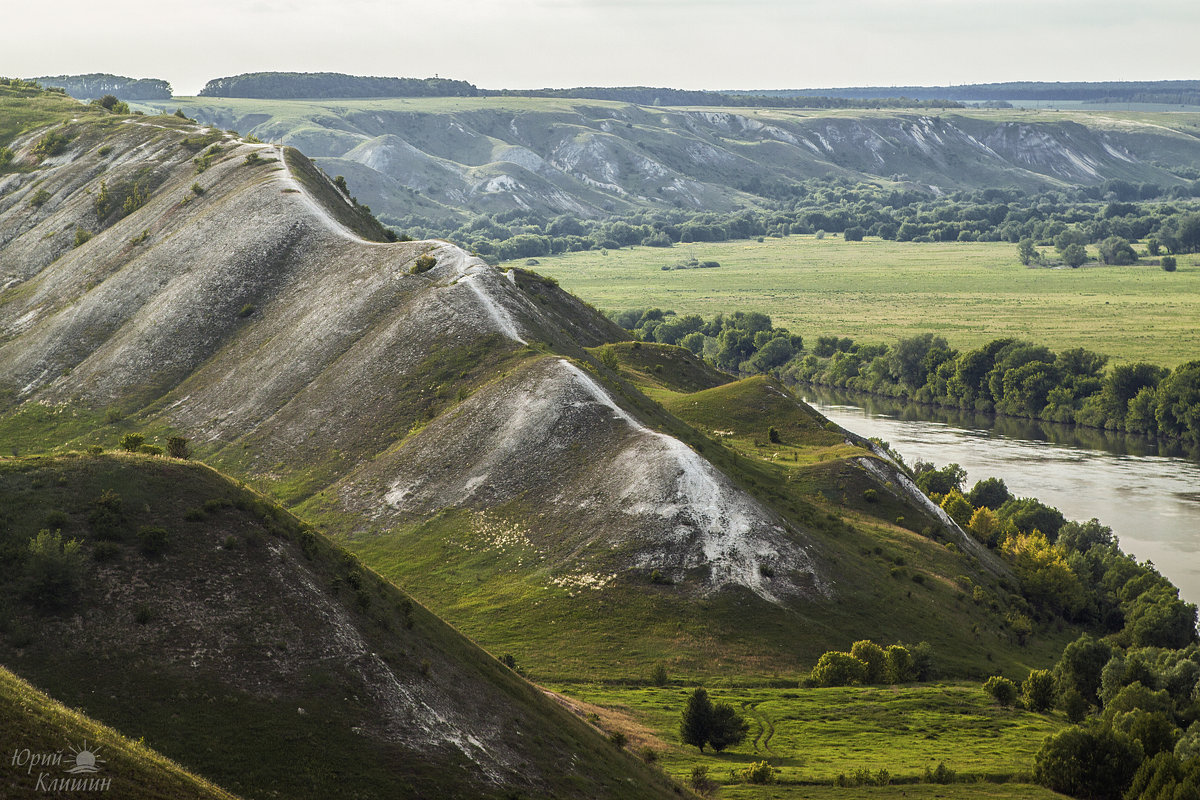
x,y
728,728
659,676
132,442
1074,255
54,570
1168,263
177,447
1002,690
1028,252
958,507
1038,690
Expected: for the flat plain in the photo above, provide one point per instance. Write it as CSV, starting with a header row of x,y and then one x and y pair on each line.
x,y
880,291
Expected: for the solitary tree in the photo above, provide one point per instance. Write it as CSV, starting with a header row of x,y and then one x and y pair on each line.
x,y
1074,254
704,723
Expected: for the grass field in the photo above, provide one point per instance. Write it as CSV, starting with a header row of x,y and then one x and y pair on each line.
x,y
811,736
879,291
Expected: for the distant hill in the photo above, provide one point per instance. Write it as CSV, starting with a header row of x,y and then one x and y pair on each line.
x,y
308,85
1180,92
98,84
446,159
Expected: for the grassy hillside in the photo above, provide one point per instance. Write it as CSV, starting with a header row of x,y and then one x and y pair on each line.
x,y
33,721
198,617
488,571
23,108
438,158
874,290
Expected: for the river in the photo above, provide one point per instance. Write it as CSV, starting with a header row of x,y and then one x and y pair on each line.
x,y
1147,492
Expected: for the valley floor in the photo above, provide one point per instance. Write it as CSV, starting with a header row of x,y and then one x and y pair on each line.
x,y
880,291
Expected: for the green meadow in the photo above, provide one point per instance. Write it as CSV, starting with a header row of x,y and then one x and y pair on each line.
x,y
813,736
880,291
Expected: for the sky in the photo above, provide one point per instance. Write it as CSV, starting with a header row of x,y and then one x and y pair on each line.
x,y
688,44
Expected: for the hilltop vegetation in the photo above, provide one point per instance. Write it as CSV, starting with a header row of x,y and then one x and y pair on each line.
x,y
306,85
98,84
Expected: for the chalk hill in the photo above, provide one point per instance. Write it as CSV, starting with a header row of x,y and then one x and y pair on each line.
x,y
481,437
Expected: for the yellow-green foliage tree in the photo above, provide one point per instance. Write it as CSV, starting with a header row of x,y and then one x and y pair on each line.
x,y
958,507
1046,578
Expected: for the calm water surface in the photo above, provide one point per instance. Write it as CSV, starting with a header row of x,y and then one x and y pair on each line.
x,y
1147,492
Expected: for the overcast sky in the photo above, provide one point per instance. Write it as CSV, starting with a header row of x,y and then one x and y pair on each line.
x,y
691,44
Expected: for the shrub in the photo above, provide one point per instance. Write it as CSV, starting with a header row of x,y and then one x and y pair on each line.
x,y
899,664
103,552
873,658
6,156
177,447
151,450
82,236
871,495
659,676
617,739
1002,690
152,540
424,263
773,435
1088,762
649,754
54,571
105,519
246,310
56,520
758,772
1168,263
838,669
252,159
699,780
39,198
132,442
940,774
1074,705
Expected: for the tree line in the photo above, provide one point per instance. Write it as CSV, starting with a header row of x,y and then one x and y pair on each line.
x,y
1005,376
314,85
1168,215
98,84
